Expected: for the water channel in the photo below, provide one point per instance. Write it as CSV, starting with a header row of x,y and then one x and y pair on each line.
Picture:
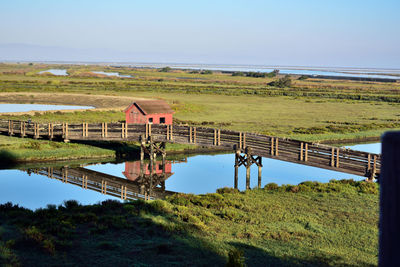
x,y
38,186
198,174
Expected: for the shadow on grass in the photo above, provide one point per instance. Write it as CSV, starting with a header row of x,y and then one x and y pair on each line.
x,y
123,150
7,159
255,256
138,233
107,234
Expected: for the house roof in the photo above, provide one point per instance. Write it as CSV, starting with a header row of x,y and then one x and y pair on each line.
x,y
151,106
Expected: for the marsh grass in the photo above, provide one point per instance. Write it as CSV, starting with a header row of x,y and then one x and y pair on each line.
x,y
303,111
332,224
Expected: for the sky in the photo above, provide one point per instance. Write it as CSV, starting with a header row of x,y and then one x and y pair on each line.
x,y
352,33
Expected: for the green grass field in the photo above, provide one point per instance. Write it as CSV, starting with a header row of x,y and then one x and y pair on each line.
x,y
312,109
333,224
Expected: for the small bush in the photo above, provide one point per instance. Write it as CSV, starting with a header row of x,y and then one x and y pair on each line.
x,y
165,69
282,82
271,186
235,258
227,190
206,72
71,204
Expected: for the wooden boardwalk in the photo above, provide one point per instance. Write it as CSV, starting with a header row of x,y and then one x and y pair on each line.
x,y
142,188
305,153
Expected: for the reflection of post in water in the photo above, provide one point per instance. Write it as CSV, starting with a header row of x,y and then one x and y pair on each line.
x,y
247,160
152,149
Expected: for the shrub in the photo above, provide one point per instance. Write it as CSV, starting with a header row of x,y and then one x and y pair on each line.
x,y
228,190
165,69
71,204
271,186
238,73
235,258
206,72
282,82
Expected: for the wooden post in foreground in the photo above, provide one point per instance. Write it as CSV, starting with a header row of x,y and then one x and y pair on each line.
x,y
389,231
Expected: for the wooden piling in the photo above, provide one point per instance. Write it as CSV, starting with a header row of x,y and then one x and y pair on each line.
x,y
272,146
259,172
337,158
236,177
301,151
389,230
306,153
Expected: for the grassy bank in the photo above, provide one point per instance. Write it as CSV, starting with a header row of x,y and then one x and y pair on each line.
x,y
15,150
311,224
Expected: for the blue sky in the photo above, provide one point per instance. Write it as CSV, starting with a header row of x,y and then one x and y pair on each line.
x,y
310,33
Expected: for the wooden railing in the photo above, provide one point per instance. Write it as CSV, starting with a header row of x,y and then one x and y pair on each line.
x,y
306,153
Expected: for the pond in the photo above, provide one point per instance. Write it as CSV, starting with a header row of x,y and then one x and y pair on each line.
x,y
57,72
199,174
116,74
37,107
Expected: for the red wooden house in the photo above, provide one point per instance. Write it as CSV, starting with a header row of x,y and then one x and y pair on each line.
x,y
149,111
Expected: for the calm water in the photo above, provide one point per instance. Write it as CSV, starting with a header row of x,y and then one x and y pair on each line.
x,y
112,74
348,72
36,107
340,72
58,72
196,174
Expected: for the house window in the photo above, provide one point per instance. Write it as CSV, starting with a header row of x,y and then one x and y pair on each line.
x,y
162,120
150,120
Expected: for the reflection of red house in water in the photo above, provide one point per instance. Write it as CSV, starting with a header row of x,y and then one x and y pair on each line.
x,y
132,169
149,111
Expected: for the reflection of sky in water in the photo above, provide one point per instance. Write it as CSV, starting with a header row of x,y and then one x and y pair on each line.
x,y
36,107
201,174
57,72
206,173
112,74
37,191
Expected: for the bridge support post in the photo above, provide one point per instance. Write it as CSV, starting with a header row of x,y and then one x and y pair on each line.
x,y
237,154
247,160
151,148
259,172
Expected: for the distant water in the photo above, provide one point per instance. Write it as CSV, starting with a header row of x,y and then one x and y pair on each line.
x,y
341,72
370,148
58,72
112,74
36,107
338,72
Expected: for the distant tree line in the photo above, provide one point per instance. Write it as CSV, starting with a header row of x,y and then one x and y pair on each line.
x,y
201,72
256,74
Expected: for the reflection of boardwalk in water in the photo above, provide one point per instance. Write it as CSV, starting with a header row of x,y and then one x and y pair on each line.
x,y
140,184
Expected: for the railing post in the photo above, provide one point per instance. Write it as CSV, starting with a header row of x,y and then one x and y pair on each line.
x,y
389,231
259,171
